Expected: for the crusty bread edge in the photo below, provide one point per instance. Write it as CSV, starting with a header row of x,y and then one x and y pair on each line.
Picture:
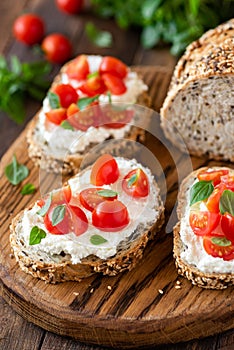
x,y
198,278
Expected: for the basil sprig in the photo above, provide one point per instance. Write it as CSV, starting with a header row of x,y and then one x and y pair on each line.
x,y
66,125
226,203
200,191
97,239
28,189
84,102
53,100
36,235
107,193
221,241
16,172
58,214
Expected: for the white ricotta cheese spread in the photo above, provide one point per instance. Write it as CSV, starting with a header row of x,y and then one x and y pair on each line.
x,y
141,211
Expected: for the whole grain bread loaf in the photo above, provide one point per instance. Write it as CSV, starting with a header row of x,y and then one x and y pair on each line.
x,y
199,104
186,257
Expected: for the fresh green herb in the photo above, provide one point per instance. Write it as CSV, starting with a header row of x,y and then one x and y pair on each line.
x,y
226,203
17,81
16,172
97,239
36,235
175,22
107,193
221,241
109,97
66,125
84,102
58,214
53,100
93,75
98,37
45,207
200,191
28,189
132,180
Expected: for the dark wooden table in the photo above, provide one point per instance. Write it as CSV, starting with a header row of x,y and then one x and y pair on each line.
x,y
15,332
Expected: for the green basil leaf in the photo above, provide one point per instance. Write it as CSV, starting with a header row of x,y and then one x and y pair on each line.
x,y
97,239
66,125
200,191
132,180
226,203
221,241
28,189
98,37
107,193
58,214
36,235
16,172
92,75
45,207
86,101
109,97
53,100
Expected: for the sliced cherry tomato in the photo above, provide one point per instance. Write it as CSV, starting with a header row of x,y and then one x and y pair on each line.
x,y
57,48
104,171
227,225
203,222
90,197
114,84
67,94
82,120
115,118
72,109
113,66
218,247
93,86
78,68
59,196
56,116
110,216
70,6
29,29
212,202
228,180
136,183
213,175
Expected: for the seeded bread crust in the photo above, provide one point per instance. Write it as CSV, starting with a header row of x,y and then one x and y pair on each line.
x,y
71,163
199,103
191,272
129,253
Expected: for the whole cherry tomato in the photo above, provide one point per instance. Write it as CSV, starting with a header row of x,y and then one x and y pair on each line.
x,y
69,6
29,29
57,48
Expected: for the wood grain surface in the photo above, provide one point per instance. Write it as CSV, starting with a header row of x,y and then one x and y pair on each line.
x,y
143,307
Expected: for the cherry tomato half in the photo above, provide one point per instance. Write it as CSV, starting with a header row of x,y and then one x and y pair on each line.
x,y
227,225
90,197
218,247
70,6
104,171
228,180
93,86
29,29
67,94
136,183
203,222
78,68
82,120
56,116
212,202
110,216
114,84
57,48
213,175
115,118
113,66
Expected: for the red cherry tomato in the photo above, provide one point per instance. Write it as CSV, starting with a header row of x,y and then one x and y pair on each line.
x,y
114,84
93,86
29,29
228,180
70,6
61,196
72,109
227,225
110,216
203,222
91,197
224,249
136,183
82,120
56,116
57,48
78,68
115,118
113,66
212,202
213,175
67,94
104,171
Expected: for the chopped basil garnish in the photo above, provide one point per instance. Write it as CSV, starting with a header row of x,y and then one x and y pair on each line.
x,y
226,204
16,172
221,241
28,189
45,207
36,235
58,214
66,125
97,239
200,191
53,100
107,193
86,101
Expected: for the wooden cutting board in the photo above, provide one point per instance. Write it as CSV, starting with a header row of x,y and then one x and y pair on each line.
x,y
149,305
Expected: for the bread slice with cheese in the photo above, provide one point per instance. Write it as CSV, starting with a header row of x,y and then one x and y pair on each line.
x,y
61,149
191,258
65,257
199,103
